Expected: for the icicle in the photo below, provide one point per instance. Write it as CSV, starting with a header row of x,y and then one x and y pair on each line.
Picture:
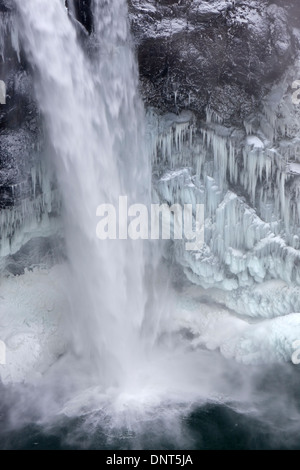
x,y
213,117
4,28
173,133
2,92
30,214
8,28
248,128
15,40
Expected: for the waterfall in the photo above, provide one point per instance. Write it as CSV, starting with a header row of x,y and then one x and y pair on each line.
x,y
118,298
102,333
94,120
117,339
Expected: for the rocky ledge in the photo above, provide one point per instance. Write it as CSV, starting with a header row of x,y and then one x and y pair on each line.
x,y
225,54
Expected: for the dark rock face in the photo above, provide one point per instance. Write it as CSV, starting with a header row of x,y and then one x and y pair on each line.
x,y
82,12
19,117
36,252
20,122
225,54
191,54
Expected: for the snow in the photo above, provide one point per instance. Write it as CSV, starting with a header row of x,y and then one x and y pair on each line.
x,y
294,168
214,327
31,308
254,141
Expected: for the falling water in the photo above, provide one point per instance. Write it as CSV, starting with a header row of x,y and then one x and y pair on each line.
x,y
95,123
94,120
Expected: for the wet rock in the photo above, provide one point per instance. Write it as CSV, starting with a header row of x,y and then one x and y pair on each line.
x,y
220,53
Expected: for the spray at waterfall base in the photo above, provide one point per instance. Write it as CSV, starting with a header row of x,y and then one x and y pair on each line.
x,y
184,222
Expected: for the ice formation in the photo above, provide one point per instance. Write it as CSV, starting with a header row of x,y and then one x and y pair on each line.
x,y
31,216
8,28
246,177
248,180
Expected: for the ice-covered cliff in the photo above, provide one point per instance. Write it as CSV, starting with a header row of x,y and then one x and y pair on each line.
x,y
233,67
28,197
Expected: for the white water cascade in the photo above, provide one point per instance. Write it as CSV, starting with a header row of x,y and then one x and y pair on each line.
x,y
129,343
94,120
